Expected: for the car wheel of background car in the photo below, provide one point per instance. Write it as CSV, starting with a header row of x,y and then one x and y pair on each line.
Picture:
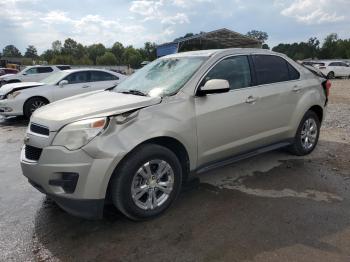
x,y
13,81
331,75
33,104
147,182
307,135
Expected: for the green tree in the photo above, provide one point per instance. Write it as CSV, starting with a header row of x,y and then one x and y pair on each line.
x,y
118,50
57,46
11,51
47,55
265,46
329,46
150,51
31,52
107,59
259,35
132,57
95,51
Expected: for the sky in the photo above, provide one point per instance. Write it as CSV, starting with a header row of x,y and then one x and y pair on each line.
x,y
40,22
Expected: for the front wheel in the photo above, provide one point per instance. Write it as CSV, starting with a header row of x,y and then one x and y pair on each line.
x,y
33,104
307,135
147,182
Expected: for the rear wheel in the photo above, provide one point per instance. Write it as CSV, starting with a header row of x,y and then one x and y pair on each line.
x,y
331,75
307,135
33,104
147,182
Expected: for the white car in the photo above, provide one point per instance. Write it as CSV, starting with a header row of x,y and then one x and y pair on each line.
x,y
32,73
24,98
333,69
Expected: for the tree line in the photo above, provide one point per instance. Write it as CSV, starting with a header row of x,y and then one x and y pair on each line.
x,y
332,48
73,53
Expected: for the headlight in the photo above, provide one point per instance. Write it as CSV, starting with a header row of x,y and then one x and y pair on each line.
x,y
13,94
76,135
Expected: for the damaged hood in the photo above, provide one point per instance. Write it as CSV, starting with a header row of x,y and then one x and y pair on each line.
x,y
9,88
92,104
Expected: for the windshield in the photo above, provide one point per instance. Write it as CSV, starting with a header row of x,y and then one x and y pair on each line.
x,y
162,77
54,78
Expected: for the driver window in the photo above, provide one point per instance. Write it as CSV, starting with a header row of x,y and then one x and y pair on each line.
x,y
235,70
31,71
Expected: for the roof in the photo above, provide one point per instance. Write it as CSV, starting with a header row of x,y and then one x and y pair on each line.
x,y
221,38
210,52
224,36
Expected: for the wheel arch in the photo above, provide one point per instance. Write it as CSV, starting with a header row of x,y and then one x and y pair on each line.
x,y
171,143
41,97
318,110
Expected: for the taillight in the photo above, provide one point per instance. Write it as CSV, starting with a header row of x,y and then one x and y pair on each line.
x,y
327,86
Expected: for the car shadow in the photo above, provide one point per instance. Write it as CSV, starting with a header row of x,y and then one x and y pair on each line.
x,y
16,121
209,223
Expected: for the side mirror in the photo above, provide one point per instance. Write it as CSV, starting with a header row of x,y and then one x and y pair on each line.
x,y
63,83
215,86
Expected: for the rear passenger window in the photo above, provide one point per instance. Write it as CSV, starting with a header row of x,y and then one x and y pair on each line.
x,y
270,69
44,70
235,70
97,76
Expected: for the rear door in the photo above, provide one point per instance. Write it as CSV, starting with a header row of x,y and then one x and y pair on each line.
x,y
78,83
100,80
278,91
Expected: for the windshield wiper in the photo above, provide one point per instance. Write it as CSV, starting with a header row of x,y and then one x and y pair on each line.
x,y
134,92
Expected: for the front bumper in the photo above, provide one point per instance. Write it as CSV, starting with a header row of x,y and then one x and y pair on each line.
x,y
86,197
11,107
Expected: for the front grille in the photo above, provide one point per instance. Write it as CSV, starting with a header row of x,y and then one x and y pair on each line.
x,y
38,129
32,153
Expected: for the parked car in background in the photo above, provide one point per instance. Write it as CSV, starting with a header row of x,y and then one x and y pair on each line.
x,y
136,144
310,63
32,74
25,98
334,69
8,71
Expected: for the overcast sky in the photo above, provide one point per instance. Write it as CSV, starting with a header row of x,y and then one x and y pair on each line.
x,y
40,22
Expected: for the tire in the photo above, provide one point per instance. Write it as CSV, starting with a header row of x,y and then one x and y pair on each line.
x,y
13,81
331,75
33,104
135,182
306,138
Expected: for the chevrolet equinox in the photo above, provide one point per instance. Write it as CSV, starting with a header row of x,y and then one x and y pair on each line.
x,y
135,145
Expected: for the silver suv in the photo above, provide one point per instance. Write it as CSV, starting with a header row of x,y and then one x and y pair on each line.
x,y
136,144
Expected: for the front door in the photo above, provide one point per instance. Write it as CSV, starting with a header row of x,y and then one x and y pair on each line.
x,y
78,83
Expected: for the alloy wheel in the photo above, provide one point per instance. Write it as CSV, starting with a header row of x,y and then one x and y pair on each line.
x,y
36,104
152,184
309,133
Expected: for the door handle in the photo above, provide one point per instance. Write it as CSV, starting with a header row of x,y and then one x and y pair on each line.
x,y
250,100
86,86
296,89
